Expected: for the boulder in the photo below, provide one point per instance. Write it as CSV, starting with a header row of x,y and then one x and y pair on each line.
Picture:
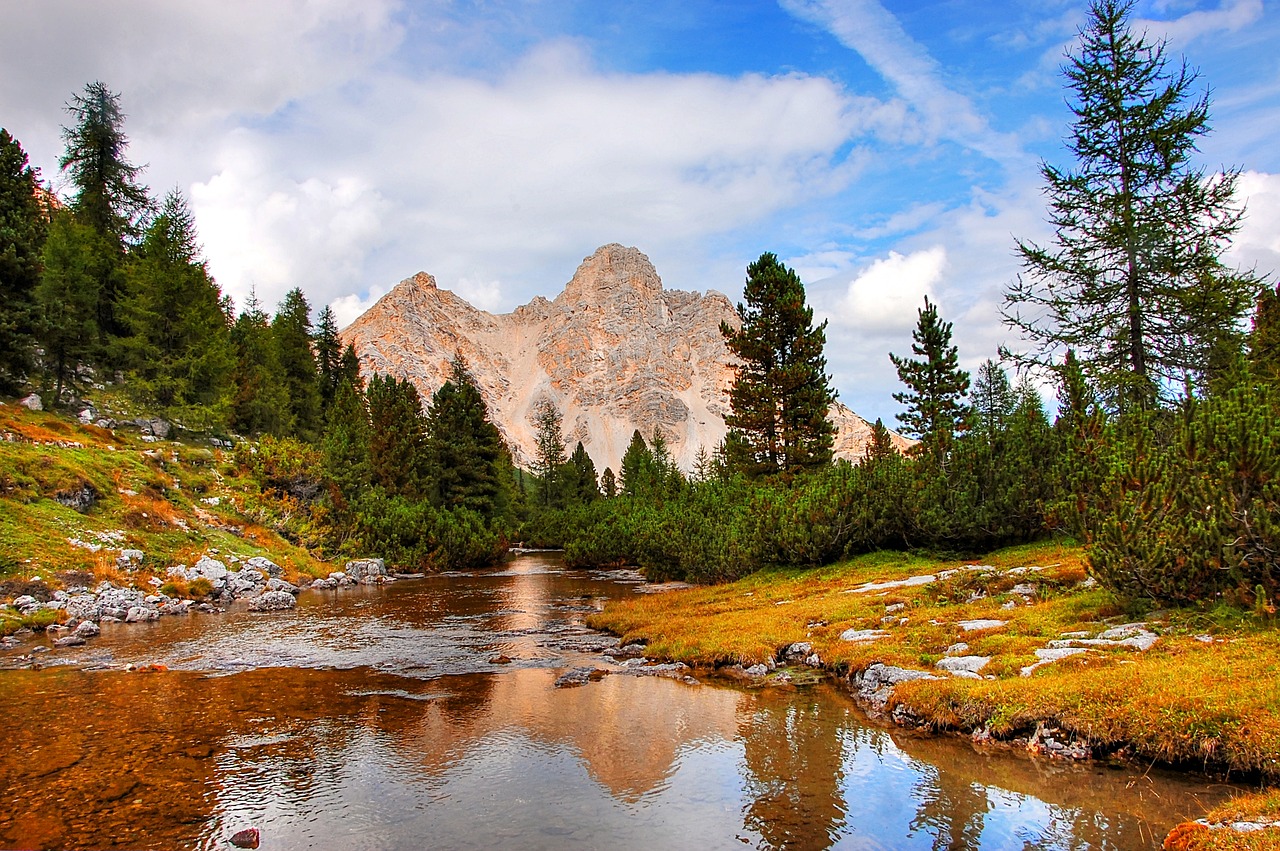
x,y
273,601
281,585
963,666
209,568
266,565
79,498
141,614
72,640
366,570
32,403
797,651
88,416
88,629
875,685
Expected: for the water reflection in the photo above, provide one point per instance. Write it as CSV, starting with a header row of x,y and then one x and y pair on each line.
x,y
389,728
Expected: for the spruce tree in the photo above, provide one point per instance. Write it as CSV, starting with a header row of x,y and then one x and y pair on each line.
x,y
549,436
349,366
24,223
993,400
67,298
468,463
260,404
1134,282
580,483
637,468
292,329
328,355
936,386
608,484
108,197
179,353
781,394
397,438
346,449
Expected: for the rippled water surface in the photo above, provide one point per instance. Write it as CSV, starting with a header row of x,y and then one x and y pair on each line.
x,y
376,719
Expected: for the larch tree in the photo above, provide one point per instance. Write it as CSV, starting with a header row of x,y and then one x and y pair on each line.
x,y
781,393
1133,282
936,386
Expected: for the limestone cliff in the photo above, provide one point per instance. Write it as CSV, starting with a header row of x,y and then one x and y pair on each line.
x,y
614,352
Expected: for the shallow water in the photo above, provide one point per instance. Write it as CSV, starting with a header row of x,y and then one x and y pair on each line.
x,y
374,719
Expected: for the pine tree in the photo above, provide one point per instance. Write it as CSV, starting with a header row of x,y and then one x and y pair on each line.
x,y
179,354
108,197
1134,282
66,298
346,448
349,366
260,404
24,224
881,444
397,438
328,354
550,451
637,468
468,463
292,329
993,400
936,386
578,477
781,394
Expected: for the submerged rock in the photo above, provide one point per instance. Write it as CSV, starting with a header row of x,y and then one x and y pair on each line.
x,y
273,601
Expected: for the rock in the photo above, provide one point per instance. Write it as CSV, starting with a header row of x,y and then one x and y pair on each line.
x,y
273,601
87,416
909,582
209,568
963,666
281,585
894,607
1050,655
32,402
130,560
153,426
797,651
106,422
247,838
323,584
88,629
580,676
500,659
80,498
1133,635
980,624
26,601
757,671
1023,589
862,634
957,649
875,685
244,582
268,567
140,614
179,572
72,640
366,570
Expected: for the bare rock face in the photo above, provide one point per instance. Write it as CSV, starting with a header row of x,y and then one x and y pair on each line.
x,y
614,352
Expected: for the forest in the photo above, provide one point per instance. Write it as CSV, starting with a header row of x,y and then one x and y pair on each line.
x,y
1161,456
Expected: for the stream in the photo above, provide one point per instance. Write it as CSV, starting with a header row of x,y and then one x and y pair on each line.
x,y
425,714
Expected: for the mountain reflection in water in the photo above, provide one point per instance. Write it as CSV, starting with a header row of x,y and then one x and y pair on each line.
x,y
374,736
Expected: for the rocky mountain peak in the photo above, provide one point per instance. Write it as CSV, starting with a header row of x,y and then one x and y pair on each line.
x,y
615,352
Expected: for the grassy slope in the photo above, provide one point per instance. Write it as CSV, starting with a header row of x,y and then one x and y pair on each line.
x,y
1184,701
150,496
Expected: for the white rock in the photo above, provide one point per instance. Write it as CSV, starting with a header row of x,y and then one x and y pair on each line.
x,y
1049,655
210,568
273,601
862,634
32,402
970,665
975,625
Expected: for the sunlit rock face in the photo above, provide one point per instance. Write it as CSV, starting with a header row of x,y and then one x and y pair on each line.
x,y
614,352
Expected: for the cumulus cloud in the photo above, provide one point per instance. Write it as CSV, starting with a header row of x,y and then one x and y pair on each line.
x,y
884,297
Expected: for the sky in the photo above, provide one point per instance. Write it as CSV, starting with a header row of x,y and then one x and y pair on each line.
x,y
886,150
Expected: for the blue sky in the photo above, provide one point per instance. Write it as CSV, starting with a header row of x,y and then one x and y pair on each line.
x,y
886,150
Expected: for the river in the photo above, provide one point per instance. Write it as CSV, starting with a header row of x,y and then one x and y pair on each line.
x,y
389,717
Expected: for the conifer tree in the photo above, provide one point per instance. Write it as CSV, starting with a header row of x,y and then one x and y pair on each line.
x,y
578,477
881,444
1264,337
397,438
349,366
1134,282
260,404
346,448
179,353
608,484
23,227
292,329
108,197
936,386
67,298
993,400
637,467
550,451
468,463
328,356
781,394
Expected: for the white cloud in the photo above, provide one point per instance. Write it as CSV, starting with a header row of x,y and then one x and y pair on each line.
x,y
885,296
347,308
1231,16
1257,243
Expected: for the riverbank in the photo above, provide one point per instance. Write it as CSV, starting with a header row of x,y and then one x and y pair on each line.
x,y
1021,648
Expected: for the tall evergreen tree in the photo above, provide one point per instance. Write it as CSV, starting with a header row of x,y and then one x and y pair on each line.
x,y
550,451
936,386
328,354
781,394
108,197
24,223
180,354
468,463
66,298
881,444
1134,282
637,467
993,400
579,483
397,438
260,404
1264,337
292,330
346,449
608,484
349,366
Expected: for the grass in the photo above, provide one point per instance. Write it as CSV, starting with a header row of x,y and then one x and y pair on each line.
x,y
174,501
1198,704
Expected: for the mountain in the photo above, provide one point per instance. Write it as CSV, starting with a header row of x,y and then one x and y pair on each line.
x,y
614,352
